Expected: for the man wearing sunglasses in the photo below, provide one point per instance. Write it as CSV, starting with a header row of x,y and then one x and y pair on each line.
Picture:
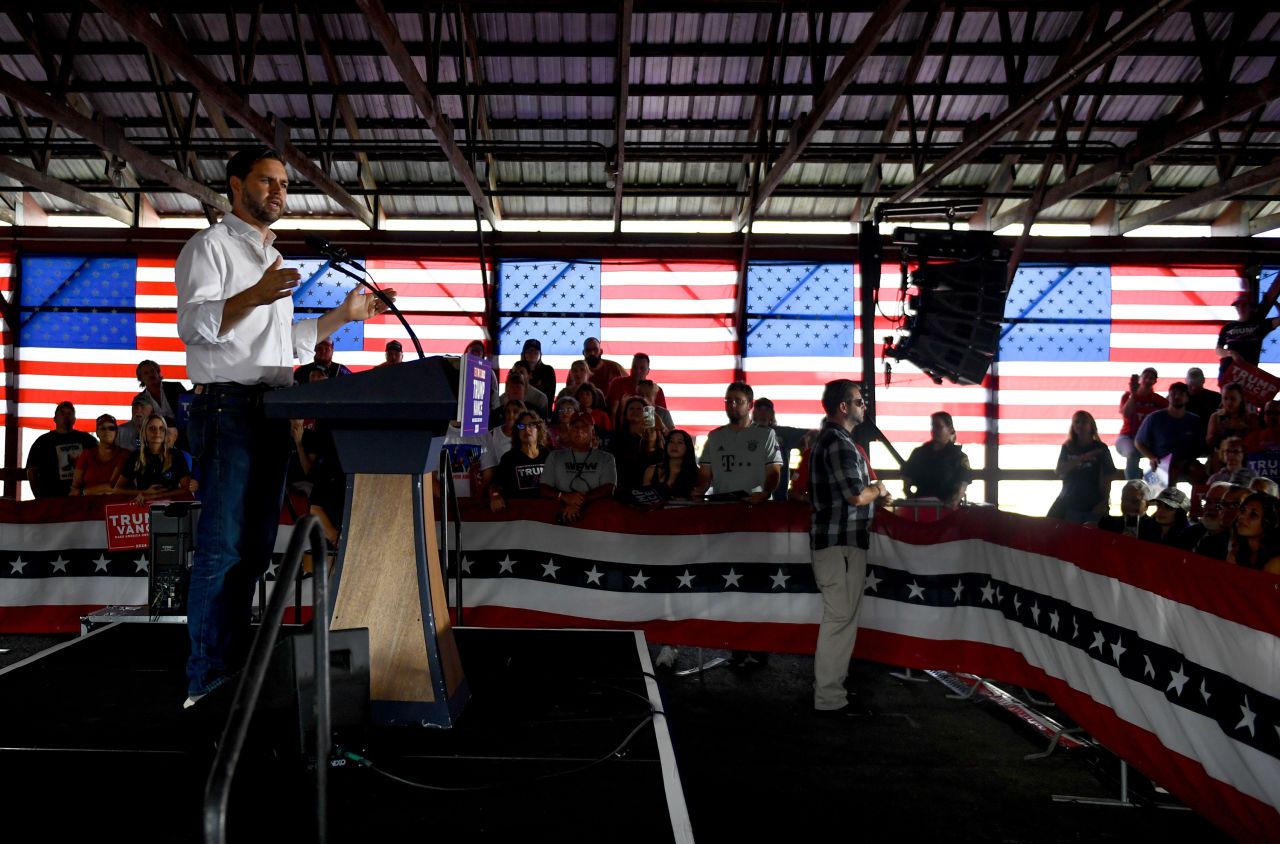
x,y
842,497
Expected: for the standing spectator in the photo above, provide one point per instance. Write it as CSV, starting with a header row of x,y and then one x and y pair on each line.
x,y
155,470
323,361
740,457
1255,536
1170,517
762,413
97,468
842,500
647,390
600,370
393,354
1268,435
1139,402
676,474
1132,521
567,407
1201,400
165,397
625,386
500,439
1172,433
1241,341
580,474
129,437
519,472
577,376
51,462
635,445
1086,469
541,376
939,468
1233,418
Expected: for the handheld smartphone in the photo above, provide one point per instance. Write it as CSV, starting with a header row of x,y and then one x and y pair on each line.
x,y
649,416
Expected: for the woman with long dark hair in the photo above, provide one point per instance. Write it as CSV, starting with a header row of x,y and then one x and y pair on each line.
x,y
636,444
676,474
938,469
155,470
1086,469
1255,535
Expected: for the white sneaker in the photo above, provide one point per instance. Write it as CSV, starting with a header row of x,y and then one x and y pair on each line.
x,y
191,701
666,657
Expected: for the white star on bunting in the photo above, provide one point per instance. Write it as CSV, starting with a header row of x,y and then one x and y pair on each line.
x,y
101,563
1053,621
731,579
1148,670
59,565
17,565
1035,613
1117,650
686,580
549,568
1204,691
638,580
780,579
956,590
916,591
1017,605
1246,717
467,563
142,565
872,581
988,593
1098,641
1177,680
594,576
506,564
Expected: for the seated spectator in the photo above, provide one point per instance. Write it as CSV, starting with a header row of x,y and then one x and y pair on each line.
x,y
1086,469
499,440
1170,516
635,445
1132,520
676,474
155,471
1139,402
323,362
577,376
1211,536
1255,537
939,468
518,389
1233,418
519,472
566,408
1266,486
541,376
601,370
580,474
97,468
1230,459
172,439
51,463
1176,434
129,435
165,397
590,401
740,460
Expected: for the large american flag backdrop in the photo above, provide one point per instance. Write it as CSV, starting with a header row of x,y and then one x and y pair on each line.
x,y
1073,335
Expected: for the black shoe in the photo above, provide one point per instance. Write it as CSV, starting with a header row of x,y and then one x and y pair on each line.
x,y
748,660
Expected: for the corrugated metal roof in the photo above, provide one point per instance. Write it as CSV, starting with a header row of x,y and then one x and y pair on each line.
x,y
550,85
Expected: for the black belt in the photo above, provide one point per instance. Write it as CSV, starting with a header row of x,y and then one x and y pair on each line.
x,y
234,388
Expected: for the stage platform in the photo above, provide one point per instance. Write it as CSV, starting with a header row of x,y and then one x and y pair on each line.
x,y
94,742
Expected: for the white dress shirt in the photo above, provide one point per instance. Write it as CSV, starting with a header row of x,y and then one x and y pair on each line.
x,y
216,264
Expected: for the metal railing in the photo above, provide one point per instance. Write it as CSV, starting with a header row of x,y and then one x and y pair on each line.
x,y
218,787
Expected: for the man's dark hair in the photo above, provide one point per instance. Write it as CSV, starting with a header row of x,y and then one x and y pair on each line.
x,y
242,163
835,392
744,388
1179,387
764,402
641,355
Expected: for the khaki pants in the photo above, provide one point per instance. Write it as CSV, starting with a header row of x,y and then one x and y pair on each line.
x,y
840,572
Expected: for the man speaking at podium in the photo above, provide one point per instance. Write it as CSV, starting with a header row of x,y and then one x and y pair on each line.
x,y
235,315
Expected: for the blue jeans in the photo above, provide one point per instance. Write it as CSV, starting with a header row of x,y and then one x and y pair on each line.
x,y
242,457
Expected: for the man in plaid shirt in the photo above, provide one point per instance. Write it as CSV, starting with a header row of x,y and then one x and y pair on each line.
x,y
842,496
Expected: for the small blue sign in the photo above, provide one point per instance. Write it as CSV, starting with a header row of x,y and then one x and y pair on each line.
x,y
473,395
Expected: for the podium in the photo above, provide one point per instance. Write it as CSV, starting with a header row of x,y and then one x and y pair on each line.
x,y
388,425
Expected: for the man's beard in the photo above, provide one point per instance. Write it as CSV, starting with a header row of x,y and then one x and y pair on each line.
x,y
260,212
593,360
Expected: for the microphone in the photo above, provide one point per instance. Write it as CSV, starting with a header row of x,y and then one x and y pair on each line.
x,y
332,251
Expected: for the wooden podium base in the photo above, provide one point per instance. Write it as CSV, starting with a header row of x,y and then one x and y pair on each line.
x,y
389,579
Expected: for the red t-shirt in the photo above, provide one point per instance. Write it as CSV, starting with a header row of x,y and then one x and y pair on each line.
x,y
1144,408
625,385
94,471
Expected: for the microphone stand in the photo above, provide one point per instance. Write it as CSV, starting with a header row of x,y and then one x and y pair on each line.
x,y
336,263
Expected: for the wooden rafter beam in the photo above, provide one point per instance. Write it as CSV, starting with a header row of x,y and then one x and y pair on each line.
x,y
620,109
1255,178
109,137
166,45
35,180
1150,145
803,130
483,126
384,28
1113,42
